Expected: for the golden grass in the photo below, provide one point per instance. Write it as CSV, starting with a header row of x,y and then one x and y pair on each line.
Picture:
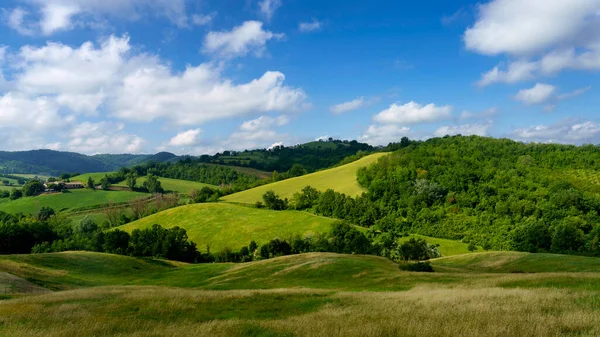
x,y
423,311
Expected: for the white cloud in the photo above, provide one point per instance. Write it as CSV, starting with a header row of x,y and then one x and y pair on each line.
x,y
25,114
546,37
139,87
465,130
540,93
384,134
563,132
102,137
51,16
240,41
269,7
525,27
307,27
274,145
186,138
264,122
478,115
202,20
574,93
348,106
516,72
413,113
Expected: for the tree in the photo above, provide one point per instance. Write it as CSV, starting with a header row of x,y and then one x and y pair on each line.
x,y
131,180
415,249
348,240
567,238
472,247
296,171
32,188
306,199
272,201
5,182
105,183
116,242
90,183
152,184
45,213
16,194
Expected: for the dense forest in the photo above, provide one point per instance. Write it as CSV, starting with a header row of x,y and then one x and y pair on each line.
x,y
497,193
311,156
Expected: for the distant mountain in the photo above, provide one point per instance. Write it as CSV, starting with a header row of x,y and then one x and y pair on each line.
x,y
311,156
48,162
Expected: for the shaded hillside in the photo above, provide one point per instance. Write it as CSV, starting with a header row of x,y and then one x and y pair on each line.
x,y
54,163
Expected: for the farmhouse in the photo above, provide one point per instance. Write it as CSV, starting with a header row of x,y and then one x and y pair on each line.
x,y
66,185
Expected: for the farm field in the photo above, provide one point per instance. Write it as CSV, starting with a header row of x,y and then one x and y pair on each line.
x,y
316,294
341,179
222,225
174,185
96,176
71,200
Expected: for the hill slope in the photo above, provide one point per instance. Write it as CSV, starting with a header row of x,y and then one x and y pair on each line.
x,y
225,225
341,179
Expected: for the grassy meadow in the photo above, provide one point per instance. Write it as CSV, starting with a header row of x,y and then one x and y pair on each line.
x,y
96,176
222,225
68,201
317,294
174,185
341,179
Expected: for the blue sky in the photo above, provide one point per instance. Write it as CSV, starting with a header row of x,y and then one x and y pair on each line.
x,y
201,76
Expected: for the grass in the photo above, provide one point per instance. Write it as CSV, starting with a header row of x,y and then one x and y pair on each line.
x,y
225,225
517,262
96,176
174,185
447,247
315,294
68,201
341,179
8,188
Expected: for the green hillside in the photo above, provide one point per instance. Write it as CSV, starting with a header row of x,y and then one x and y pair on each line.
x,y
341,179
96,176
174,185
226,225
517,262
70,200
317,294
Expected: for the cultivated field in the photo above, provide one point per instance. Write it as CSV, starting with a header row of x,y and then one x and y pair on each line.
x,y
317,294
96,176
225,225
174,185
69,201
341,179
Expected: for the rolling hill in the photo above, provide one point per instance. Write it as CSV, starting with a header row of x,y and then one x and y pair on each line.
x,y
317,294
341,179
225,225
69,201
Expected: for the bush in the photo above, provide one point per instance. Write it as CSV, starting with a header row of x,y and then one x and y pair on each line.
x,y
424,267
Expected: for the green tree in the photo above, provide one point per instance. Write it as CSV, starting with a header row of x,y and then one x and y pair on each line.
x,y
131,180
307,198
16,194
90,183
472,247
116,242
152,184
567,238
415,249
105,183
272,201
32,188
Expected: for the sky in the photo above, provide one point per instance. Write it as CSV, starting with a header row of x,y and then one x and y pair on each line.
x,y
203,76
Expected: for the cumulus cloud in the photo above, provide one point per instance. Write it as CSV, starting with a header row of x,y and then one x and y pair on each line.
x,y
540,93
269,7
546,37
306,27
567,131
348,106
240,41
102,137
465,130
56,81
264,122
50,16
186,138
413,113
384,134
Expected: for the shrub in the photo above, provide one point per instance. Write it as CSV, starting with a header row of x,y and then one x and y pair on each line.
x,y
424,267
